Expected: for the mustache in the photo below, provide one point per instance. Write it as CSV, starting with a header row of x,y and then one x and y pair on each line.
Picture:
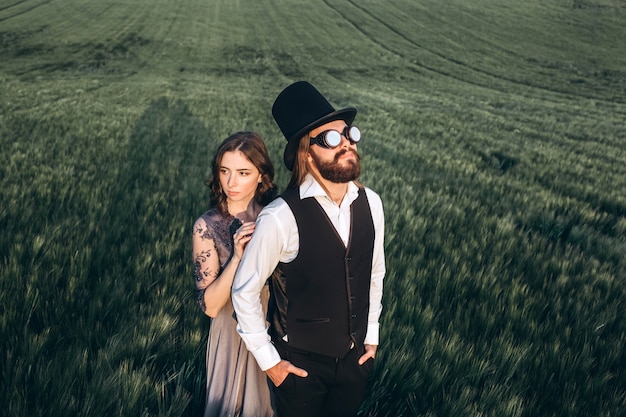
x,y
344,151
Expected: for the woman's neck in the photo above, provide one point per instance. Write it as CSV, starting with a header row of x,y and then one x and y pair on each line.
x,y
246,213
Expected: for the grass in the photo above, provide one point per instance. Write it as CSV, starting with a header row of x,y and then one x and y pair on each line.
x,y
493,131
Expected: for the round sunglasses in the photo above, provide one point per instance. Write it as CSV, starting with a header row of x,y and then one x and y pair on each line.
x,y
332,138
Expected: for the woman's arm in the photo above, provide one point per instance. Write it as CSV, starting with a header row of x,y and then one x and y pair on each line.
x,y
213,287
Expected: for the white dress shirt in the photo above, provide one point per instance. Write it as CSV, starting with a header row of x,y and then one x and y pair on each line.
x,y
275,239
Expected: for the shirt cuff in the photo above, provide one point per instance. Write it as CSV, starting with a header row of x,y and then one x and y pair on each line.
x,y
371,337
266,356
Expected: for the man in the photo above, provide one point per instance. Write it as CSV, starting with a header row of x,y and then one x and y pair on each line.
x,y
325,235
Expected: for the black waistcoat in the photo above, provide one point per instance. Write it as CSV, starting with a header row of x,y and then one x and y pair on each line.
x,y
320,300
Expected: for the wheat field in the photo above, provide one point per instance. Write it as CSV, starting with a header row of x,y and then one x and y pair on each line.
x,y
493,131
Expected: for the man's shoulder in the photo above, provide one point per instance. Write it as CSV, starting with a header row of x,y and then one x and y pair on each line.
x,y
375,203
276,216
275,208
372,195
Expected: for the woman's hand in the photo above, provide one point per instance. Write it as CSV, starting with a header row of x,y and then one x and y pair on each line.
x,y
241,238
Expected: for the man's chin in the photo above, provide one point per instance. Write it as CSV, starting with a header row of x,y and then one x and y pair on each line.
x,y
342,169
343,175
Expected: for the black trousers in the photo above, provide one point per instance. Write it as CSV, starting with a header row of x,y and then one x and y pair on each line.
x,y
334,387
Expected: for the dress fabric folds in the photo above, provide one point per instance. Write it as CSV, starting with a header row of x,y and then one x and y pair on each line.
x,y
236,386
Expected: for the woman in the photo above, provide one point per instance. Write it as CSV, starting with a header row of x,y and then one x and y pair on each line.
x,y
241,184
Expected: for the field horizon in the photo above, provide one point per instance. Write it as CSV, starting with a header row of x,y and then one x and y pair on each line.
x,y
493,131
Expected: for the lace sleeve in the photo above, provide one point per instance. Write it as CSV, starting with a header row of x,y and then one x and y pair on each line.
x,y
205,259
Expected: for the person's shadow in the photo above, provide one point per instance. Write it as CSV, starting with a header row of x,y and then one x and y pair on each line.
x,y
158,194
161,178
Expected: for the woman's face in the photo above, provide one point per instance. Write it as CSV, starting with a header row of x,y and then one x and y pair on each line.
x,y
239,177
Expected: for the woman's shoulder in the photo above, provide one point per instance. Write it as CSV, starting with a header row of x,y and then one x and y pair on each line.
x,y
212,223
205,219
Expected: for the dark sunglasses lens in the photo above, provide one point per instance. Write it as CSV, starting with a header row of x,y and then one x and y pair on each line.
x,y
332,138
354,134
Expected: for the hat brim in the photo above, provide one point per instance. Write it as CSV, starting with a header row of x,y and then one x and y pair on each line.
x,y
348,114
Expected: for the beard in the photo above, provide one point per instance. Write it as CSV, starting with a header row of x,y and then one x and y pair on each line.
x,y
334,172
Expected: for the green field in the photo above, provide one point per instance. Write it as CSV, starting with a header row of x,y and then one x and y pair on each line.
x,y
493,130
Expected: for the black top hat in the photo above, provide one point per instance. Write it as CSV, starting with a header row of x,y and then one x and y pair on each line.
x,y
300,108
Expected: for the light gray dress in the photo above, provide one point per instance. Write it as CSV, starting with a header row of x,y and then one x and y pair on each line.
x,y
236,386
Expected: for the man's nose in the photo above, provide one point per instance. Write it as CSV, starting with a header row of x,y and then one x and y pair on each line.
x,y
345,141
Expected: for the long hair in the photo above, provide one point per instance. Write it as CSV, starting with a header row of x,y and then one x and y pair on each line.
x,y
301,164
252,146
